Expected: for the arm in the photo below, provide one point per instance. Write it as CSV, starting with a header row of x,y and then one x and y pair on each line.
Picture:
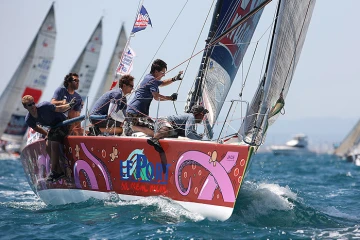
x,y
62,108
171,80
58,97
166,82
157,95
40,130
58,102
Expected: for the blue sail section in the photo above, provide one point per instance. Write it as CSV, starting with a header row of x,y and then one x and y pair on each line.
x,y
224,58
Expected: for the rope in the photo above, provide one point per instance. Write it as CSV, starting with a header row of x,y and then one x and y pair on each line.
x,y
162,42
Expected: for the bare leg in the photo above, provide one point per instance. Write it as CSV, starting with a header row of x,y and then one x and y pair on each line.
x,y
162,133
118,130
54,157
145,130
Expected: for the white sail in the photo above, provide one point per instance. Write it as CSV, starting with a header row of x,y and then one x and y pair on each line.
x,y
115,58
87,62
349,142
30,78
289,35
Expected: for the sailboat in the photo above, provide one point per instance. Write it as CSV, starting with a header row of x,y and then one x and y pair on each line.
x,y
204,177
115,58
346,149
86,64
30,77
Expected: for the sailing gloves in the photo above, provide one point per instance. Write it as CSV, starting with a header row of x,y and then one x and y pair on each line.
x,y
174,96
72,102
177,77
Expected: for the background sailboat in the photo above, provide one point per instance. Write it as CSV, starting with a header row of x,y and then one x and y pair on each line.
x,y
86,64
349,142
30,78
114,60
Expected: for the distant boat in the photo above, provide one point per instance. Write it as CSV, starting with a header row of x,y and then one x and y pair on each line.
x,y
30,78
348,147
296,146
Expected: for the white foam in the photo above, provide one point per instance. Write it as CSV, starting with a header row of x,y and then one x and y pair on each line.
x,y
167,207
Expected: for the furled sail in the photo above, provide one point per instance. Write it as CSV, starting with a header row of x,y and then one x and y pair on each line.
x,y
87,62
221,60
293,19
30,78
115,58
349,142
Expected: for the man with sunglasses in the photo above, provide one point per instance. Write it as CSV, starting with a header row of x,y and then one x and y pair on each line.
x,y
138,119
65,94
47,114
178,125
113,103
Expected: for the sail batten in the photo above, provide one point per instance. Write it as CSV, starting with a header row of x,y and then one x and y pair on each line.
x,y
30,78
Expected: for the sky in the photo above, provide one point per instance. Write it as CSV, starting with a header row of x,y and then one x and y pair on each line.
x,y
325,85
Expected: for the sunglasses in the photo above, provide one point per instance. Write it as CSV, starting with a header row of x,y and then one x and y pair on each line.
x,y
162,72
75,80
130,85
29,104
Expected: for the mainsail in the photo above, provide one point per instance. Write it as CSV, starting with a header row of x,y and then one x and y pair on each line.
x,y
115,58
30,78
221,60
87,62
349,142
290,30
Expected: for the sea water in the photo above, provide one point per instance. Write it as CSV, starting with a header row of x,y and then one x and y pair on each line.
x,y
283,197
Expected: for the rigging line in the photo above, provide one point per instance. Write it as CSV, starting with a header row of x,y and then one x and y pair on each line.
x,y
247,74
227,17
162,42
197,41
207,16
297,42
268,44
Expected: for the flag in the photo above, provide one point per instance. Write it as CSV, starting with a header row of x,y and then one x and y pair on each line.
x,y
142,20
126,63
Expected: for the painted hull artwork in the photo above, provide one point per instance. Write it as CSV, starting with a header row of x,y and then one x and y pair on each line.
x,y
203,177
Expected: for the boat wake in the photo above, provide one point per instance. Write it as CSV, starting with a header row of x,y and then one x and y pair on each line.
x,y
160,209
272,205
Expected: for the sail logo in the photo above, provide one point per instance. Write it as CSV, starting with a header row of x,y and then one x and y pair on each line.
x,y
237,41
50,27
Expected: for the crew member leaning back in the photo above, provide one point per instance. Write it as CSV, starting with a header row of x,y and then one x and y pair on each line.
x,y
65,94
138,108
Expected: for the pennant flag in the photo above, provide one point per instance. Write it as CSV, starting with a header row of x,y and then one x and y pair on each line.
x,y
126,63
142,20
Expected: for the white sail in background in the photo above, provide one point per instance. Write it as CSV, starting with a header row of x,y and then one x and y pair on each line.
x,y
87,62
30,78
349,142
115,58
289,35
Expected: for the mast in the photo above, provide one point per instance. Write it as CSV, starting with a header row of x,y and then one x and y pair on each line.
x,y
196,94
